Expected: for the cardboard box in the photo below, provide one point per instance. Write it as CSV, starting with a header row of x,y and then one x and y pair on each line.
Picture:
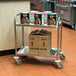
x,y
40,42
49,18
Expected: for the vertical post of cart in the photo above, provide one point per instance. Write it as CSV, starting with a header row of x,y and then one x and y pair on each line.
x,y
17,58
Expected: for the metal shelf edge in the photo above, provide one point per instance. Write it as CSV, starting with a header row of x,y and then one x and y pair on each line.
x,y
36,26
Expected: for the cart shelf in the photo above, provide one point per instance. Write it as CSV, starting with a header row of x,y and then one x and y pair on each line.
x,y
44,26
27,52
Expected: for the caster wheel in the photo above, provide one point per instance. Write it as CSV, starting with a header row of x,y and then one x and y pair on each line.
x,y
59,66
18,62
62,57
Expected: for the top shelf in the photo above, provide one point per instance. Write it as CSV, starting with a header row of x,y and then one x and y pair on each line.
x,y
45,26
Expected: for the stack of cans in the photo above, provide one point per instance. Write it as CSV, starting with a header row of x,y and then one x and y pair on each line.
x,y
46,18
35,18
49,18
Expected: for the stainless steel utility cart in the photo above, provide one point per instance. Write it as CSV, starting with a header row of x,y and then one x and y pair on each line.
x,y
56,58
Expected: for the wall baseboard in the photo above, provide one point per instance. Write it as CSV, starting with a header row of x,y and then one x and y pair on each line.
x,y
7,52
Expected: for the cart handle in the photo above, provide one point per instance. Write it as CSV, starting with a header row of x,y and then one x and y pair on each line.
x,y
16,17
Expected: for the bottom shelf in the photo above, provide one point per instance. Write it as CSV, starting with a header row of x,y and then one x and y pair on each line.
x,y
25,51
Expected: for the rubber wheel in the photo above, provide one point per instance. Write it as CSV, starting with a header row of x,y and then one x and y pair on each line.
x,y
18,63
62,57
60,67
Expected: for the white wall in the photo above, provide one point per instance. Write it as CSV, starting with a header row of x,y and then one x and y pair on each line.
x,y
7,12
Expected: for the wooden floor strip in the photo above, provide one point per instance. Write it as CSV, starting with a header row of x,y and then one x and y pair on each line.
x,y
3,71
11,70
20,68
